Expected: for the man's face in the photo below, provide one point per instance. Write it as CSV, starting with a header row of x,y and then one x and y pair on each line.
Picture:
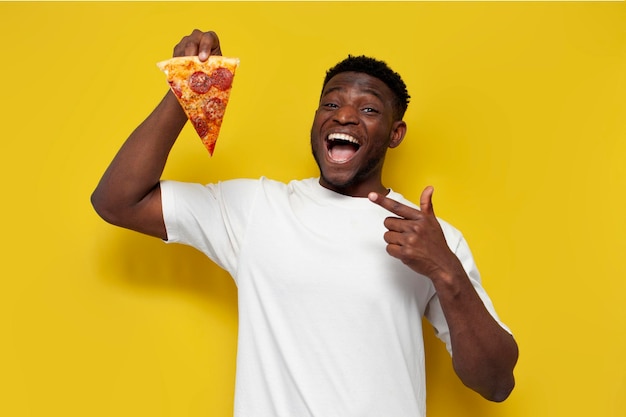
x,y
352,129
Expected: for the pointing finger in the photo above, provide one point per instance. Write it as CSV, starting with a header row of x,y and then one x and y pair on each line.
x,y
394,206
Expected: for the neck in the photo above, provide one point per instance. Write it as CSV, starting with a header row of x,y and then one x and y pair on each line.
x,y
360,190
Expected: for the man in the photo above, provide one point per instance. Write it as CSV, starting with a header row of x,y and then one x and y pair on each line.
x,y
334,273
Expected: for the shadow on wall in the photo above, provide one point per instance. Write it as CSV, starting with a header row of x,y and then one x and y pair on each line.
x,y
131,259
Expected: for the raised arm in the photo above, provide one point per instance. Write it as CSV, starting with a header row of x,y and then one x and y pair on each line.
x,y
483,353
128,194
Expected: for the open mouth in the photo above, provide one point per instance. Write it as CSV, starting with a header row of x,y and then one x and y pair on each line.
x,y
341,147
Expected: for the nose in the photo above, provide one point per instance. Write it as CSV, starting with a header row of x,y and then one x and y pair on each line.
x,y
347,115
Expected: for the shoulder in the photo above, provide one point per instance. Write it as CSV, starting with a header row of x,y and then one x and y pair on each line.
x,y
234,190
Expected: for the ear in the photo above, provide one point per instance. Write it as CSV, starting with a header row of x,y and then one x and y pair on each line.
x,y
397,133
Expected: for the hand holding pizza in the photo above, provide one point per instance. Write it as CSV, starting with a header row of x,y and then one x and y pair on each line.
x,y
202,81
200,44
416,237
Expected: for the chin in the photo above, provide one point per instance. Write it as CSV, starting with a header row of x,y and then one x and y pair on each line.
x,y
341,182
337,183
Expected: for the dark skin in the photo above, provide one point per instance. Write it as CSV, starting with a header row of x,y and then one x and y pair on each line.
x,y
483,354
357,105
129,194
354,107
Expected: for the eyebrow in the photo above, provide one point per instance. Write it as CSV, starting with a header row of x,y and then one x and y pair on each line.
x,y
370,91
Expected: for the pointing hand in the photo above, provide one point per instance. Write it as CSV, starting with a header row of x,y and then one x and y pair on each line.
x,y
415,236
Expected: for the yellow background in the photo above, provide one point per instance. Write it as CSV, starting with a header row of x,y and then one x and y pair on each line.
x,y
517,118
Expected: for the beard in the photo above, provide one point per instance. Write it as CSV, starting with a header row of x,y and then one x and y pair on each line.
x,y
363,174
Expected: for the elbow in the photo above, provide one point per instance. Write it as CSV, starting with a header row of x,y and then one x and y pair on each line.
x,y
502,376
502,391
104,210
494,382
495,389
502,381
506,381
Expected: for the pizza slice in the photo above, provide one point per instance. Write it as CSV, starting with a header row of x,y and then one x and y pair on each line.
x,y
203,90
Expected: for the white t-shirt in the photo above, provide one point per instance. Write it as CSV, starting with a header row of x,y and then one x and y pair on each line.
x,y
329,323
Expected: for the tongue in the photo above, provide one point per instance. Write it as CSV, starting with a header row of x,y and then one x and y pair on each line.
x,y
342,152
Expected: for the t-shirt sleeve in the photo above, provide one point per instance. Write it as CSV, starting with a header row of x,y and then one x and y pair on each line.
x,y
211,218
434,312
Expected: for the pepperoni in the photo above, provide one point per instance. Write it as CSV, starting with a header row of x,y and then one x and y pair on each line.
x,y
201,125
199,82
222,78
214,109
176,89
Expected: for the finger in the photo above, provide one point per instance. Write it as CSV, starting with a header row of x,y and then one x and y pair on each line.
x,y
398,224
209,45
394,250
426,200
394,206
189,45
392,237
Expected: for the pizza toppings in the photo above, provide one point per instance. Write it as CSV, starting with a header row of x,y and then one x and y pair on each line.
x,y
175,86
222,78
200,124
203,90
214,109
199,82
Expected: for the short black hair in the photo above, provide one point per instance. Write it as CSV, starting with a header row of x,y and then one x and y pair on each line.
x,y
378,69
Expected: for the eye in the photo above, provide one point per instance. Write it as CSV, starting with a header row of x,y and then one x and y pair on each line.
x,y
330,105
369,110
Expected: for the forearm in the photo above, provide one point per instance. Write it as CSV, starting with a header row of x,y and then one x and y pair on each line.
x,y
483,353
135,172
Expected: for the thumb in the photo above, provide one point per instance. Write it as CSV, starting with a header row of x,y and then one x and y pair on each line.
x,y
426,200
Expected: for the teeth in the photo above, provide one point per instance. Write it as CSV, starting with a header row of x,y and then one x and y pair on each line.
x,y
342,136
